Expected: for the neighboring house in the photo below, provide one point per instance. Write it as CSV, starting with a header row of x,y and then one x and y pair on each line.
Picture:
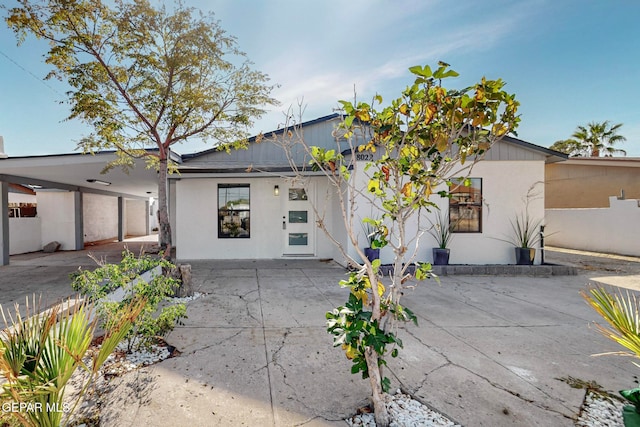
x,y
22,201
245,204
588,182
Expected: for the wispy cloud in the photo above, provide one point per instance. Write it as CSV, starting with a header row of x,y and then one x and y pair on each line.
x,y
324,76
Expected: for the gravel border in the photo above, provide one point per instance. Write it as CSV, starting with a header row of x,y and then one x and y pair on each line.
x,y
599,409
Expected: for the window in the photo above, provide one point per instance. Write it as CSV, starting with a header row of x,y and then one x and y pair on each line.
x,y
233,211
465,205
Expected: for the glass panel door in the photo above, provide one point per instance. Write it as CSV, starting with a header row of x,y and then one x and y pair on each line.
x,y
297,222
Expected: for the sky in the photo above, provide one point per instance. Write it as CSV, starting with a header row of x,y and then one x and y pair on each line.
x,y
569,62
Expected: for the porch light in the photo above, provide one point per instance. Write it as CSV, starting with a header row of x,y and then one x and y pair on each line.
x,y
97,181
276,190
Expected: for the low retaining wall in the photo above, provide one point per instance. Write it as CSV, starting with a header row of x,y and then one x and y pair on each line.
x,y
543,270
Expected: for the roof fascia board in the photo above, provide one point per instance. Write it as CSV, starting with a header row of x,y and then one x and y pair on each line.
x,y
240,174
603,161
524,144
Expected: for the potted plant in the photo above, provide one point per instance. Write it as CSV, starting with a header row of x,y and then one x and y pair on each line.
x,y
441,230
526,235
371,230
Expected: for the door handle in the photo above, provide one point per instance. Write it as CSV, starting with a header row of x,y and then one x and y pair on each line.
x,y
284,223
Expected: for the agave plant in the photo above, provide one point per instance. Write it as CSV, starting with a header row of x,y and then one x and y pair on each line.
x,y
40,352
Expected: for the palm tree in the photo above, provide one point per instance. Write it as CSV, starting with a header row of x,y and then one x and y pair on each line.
x,y
597,138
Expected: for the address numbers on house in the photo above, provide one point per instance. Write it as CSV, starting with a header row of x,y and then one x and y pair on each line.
x,y
364,157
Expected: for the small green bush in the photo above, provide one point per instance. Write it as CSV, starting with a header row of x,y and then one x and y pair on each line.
x,y
160,315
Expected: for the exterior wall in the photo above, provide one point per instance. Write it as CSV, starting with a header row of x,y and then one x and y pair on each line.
x,y
24,235
588,186
611,230
196,228
505,185
136,218
56,211
100,217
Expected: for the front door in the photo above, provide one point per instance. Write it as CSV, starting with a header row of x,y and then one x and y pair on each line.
x,y
298,221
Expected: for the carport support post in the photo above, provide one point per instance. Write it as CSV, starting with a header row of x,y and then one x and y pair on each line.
x,y
147,208
120,219
79,221
4,223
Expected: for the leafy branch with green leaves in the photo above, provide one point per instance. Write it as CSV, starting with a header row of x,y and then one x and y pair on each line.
x,y
420,140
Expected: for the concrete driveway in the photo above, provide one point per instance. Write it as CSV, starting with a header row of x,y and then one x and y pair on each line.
x,y
489,351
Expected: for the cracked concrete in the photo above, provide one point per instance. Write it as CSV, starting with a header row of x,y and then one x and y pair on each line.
x,y
489,351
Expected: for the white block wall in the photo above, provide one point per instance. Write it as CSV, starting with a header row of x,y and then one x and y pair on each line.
x,y
24,235
136,218
56,211
100,217
611,230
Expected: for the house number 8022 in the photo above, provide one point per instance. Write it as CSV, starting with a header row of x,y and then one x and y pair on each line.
x,y
364,157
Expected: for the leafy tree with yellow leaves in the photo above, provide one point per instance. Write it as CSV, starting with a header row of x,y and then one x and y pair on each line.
x,y
421,140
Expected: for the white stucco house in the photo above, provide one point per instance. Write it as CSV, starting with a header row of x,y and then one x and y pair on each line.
x,y
245,205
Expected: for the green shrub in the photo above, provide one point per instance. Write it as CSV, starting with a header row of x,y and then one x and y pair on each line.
x,y
160,314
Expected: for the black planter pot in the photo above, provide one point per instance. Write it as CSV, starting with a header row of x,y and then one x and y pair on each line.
x,y
525,256
372,254
441,256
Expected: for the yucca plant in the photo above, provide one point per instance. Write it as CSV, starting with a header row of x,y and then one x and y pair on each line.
x,y
525,230
621,311
442,229
40,352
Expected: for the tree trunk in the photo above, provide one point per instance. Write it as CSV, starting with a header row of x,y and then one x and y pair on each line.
x,y
164,238
379,408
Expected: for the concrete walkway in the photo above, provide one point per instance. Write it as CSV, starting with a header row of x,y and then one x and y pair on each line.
x,y
489,351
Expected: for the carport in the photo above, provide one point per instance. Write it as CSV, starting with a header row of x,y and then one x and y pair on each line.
x,y
67,182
